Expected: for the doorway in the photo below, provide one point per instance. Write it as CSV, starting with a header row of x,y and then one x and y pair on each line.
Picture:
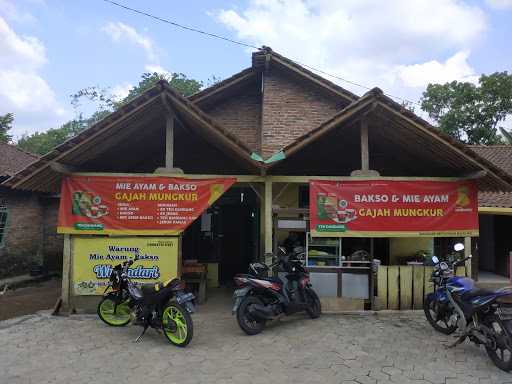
x,y
226,235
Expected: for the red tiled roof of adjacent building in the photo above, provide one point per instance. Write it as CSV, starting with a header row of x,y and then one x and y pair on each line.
x,y
501,156
13,159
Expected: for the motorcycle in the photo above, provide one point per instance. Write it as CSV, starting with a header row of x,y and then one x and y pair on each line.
x,y
259,298
480,315
165,306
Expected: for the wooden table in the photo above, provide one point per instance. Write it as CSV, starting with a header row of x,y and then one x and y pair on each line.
x,y
195,275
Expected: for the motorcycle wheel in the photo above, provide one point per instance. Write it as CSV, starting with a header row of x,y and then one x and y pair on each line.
x,y
119,317
249,326
315,307
177,324
439,324
501,352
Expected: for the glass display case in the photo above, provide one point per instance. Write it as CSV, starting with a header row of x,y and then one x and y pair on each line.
x,y
323,251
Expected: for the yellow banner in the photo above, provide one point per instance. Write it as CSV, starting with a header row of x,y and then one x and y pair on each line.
x,y
155,260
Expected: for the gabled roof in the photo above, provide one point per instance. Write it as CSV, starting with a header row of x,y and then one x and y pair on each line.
x,y
40,174
261,60
14,159
376,98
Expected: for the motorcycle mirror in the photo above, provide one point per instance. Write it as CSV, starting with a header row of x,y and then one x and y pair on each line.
x,y
458,247
435,259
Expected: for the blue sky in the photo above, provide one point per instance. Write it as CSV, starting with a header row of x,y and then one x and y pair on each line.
x,y
51,48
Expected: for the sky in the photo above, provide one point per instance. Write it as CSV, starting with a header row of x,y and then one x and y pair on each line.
x,y
49,49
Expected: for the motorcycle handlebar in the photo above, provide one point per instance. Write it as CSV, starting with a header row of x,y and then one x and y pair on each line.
x,y
460,262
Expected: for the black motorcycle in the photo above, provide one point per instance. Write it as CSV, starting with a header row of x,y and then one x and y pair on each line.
x,y
165,306
480,315
260,298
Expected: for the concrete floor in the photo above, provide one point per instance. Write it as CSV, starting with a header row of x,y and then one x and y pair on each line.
x,y
384,348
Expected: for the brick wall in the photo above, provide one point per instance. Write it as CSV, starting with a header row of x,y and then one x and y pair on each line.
x,y
23,237
290,109
241,114
53,242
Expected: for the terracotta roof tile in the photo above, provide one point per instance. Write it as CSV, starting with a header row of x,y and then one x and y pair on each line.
x,y
495,199
499,155
13,159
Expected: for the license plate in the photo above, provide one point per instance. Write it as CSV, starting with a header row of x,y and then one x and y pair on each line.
x,y
185,297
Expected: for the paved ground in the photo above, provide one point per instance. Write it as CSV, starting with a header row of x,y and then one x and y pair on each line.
x,y
389,348
27,300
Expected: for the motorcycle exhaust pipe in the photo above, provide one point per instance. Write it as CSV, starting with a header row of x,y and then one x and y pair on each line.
x,y
261,312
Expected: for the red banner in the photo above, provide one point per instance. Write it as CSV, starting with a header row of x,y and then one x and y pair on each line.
x,y
381,208
156,205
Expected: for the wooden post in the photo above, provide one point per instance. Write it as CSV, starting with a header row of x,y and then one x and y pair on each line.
x,y
268,221
66,272
365,152
365,155
467,252
169,142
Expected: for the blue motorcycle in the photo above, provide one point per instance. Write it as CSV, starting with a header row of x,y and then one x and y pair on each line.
x,y
480,315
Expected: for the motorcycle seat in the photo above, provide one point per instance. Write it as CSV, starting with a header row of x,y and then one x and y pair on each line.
x,y
154,288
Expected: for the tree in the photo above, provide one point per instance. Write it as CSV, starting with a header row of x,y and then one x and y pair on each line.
x,y
106,103
5,125
43,142
468,112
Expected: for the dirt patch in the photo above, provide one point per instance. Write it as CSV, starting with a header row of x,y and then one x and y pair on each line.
x,y
28,300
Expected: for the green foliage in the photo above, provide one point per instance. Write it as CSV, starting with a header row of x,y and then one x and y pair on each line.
x,y
468,112
177,81
44,142
5,125
106,103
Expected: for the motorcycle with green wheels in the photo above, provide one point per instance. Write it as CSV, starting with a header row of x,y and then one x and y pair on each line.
x,y
166,306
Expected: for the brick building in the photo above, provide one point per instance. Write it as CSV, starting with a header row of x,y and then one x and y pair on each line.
x,y
275,125
20,216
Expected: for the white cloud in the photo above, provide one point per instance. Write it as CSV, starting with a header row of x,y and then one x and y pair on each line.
x,y
376,43
120,91
151,68
120,32
22,89
24,52
454,68
499,4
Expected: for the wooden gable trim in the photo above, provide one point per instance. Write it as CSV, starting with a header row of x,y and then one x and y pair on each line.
x,y
475,160
222,86
15,181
